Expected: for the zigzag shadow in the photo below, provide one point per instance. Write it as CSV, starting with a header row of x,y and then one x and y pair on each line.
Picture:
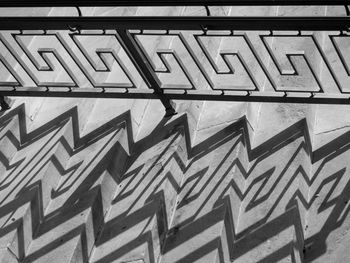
x,y
88,195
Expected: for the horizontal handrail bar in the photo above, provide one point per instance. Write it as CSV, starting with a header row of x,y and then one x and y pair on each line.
x,y
326,23
92,93
66,3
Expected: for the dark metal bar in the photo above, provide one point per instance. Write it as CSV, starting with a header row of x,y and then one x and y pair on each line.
x,y
145,69
51,3
177,23
207,97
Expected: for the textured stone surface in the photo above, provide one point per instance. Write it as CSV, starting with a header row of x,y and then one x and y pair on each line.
x,y
98,180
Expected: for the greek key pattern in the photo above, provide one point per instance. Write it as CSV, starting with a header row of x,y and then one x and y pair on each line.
x,y
217,63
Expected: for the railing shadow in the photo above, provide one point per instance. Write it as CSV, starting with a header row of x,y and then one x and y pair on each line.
x,y
163,196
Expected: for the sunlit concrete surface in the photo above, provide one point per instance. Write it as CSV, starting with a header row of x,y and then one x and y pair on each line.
x,y
111,180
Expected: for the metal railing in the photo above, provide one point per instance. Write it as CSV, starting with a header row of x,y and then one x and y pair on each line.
x,y
178,57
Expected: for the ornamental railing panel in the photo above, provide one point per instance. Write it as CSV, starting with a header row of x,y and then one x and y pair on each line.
x,y
257,59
